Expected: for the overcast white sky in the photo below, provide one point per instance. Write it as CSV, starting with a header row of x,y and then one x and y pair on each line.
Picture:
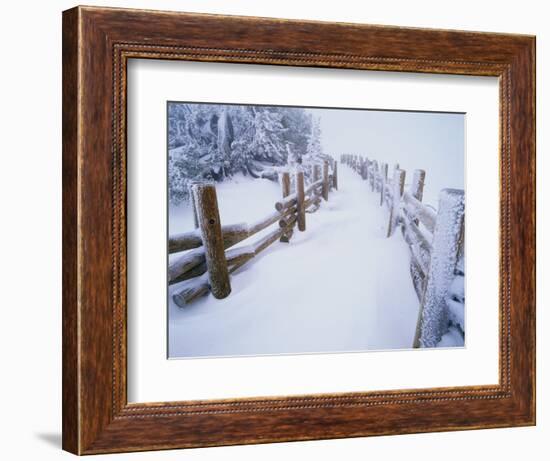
x,y
416,140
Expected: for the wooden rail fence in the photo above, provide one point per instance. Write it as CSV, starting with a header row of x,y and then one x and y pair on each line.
x,y
209,254
435,239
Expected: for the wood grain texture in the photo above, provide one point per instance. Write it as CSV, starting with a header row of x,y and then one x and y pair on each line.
x,y
70,384
97,43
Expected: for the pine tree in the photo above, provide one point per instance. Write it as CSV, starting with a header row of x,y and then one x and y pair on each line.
x,y
215,141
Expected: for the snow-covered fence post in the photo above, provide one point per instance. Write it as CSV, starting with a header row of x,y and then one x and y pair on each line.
x,y
446,245
398,184
371,175
325,180
300,201
375,176
335,175
417,186
212,239
384,174
193,205
285,184
316,172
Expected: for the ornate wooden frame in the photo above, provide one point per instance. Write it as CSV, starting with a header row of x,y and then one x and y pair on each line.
x,y
97,43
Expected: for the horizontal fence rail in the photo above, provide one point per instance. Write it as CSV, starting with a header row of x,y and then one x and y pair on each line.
x,y
209,254
435,239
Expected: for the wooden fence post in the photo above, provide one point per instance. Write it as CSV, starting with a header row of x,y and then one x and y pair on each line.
x,y
212,238
384,180
335,175
417,186
300,199
316,172
375,176
371,175
446,244
398,185
325,180
285,183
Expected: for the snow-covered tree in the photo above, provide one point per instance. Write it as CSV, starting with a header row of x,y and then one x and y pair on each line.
x,y
314,149
215,141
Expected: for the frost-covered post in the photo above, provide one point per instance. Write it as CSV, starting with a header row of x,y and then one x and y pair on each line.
x,y
398,184
193,205
300,201
285,184
335,175
325,180
417,186
366,169
371,175
316,172
447,239
384,174
212,239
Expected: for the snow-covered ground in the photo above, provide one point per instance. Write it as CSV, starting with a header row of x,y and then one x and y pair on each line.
x,y
339,286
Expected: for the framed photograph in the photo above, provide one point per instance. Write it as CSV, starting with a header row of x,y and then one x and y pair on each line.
x,y
282,230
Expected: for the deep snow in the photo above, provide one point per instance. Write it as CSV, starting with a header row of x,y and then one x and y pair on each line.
x,y
339,286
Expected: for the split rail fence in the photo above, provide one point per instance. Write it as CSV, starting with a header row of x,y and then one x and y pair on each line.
x,y
212,254
435,239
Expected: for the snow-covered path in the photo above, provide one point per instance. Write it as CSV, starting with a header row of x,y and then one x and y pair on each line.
x,y
339,286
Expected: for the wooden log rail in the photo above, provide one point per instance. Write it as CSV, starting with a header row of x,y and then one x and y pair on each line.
x,y
209,255
435,239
